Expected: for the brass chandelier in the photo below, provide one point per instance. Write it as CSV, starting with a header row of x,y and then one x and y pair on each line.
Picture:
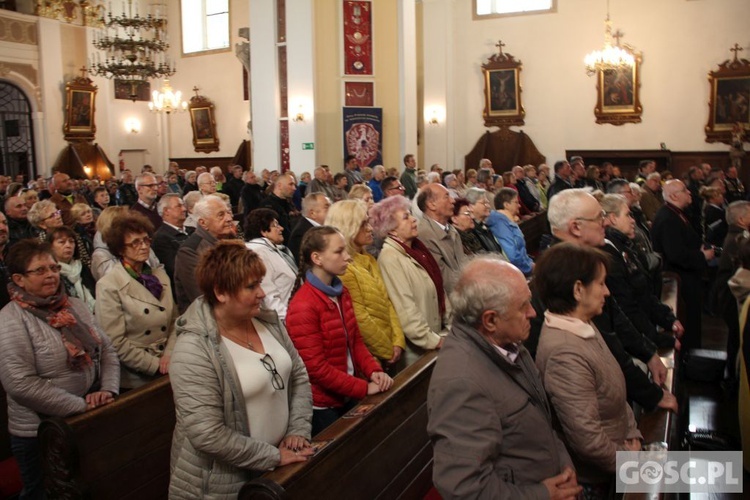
x,y
135,47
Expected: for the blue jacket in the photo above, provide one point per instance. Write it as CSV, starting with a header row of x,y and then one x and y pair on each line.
x,y
510,237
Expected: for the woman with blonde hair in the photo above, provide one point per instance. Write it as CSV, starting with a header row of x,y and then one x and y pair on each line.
x,y
376,317
363,193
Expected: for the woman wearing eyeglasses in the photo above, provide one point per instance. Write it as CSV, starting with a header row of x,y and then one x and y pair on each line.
x,y
134,303
44,215
56,359
241,391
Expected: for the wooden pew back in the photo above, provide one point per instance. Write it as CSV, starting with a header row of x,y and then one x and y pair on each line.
x,y
385,454
117,451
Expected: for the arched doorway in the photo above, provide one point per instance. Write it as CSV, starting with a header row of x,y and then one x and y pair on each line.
x,y
16,133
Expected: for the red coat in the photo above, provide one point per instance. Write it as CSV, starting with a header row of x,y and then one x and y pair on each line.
x,y
315,326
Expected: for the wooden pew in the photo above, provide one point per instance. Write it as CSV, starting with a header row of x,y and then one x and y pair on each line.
x,y
661,426
533,229
385,454
117,451
10,476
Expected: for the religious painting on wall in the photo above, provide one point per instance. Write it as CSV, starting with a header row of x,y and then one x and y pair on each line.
x,y
203,122
359,94
139,91
363,132
357,17
617,91
729,101
502,90
80,109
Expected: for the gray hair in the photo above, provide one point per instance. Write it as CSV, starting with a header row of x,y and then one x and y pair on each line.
x,y
190,174
735,210
205,177
191,199
433,177
483,286
484,176
563,207
654,175
164,202
202,209
38,211
449,178
142,179
311,201
613,203
473,195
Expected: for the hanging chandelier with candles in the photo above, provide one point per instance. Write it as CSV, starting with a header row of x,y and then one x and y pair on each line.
x,y
612,56
167,100
135,46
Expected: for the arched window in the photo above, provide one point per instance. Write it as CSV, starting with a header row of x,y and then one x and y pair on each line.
x,y
496,8
16,133
205,26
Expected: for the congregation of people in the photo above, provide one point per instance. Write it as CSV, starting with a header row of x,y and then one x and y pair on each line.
x,y
276,303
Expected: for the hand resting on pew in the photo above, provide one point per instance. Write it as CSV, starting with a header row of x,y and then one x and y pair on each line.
x,y
98,398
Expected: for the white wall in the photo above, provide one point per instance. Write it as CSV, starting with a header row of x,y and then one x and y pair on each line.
x,y
681,42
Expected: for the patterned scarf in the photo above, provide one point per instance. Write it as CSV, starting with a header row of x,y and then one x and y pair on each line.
x,y
145,278
81,341
419,252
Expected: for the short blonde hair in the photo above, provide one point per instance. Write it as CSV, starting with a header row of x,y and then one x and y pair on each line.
x,y
78,210
348,216
358,192
109,214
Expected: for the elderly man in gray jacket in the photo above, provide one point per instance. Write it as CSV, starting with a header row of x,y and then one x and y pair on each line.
x,y
489,418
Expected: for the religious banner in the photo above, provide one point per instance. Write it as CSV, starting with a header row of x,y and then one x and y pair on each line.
x,y
363,132
357,17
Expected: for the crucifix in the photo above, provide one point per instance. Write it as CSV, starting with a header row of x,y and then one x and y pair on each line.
x,y
500,46
617,35
736,49
83,71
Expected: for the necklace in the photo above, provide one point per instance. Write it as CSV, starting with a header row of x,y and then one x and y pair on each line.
x,y
247,343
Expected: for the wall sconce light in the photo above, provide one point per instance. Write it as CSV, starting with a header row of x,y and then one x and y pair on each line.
x,y
133,125
87,171
300,116
434,115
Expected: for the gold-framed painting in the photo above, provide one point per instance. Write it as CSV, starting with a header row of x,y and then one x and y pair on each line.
x,y
502,90
80,110
203,122
618,93
729,100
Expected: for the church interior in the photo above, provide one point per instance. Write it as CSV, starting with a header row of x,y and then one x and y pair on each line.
x,y
279,84
424,71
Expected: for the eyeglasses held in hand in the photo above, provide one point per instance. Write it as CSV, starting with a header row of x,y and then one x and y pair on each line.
x,y
276,380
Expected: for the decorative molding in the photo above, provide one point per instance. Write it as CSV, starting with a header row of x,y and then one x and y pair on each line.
x,y
17,31
25,70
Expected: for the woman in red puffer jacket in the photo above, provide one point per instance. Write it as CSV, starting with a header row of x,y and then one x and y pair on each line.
x,y
322,325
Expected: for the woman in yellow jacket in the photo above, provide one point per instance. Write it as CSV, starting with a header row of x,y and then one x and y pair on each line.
x,y
376,317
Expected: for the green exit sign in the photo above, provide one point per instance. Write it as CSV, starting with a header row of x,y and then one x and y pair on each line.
x,y
308,145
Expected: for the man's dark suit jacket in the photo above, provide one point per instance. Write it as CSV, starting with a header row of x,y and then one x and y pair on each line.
x,y
166,242
294,242
151,215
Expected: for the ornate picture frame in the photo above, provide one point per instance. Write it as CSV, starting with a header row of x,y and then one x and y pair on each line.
x,y
502,90
729,100
80,109
203,123
359,93
124,91
618,93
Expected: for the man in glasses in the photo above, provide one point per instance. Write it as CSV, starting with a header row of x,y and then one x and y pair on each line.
x,y
148,190
576,217
391,186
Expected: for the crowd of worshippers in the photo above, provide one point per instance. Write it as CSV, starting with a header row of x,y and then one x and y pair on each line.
x,y
276,304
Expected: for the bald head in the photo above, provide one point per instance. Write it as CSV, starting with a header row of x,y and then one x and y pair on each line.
x,y
61,183
489,289
675,193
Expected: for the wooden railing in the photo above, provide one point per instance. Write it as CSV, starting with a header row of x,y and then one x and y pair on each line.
x,y
661,426
116,451
384,454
